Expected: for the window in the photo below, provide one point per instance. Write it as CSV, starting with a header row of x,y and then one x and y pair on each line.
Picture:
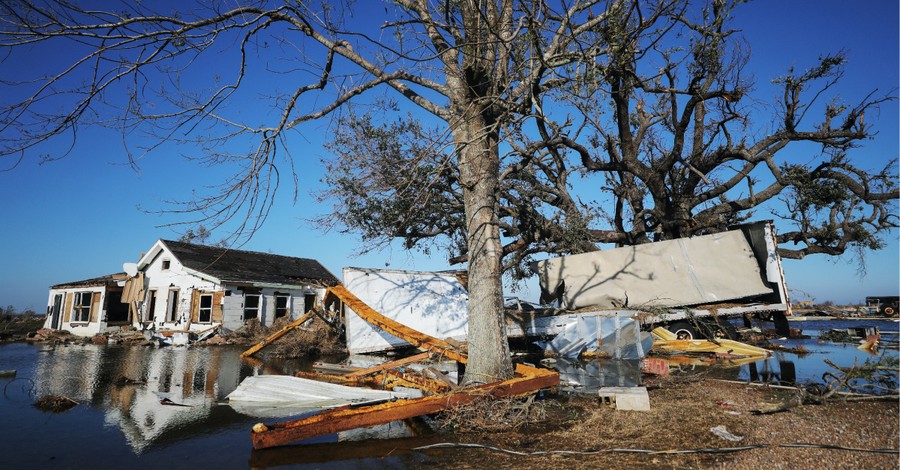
x,y
149,315
172,306
282,305
166,264
309,302
81,307
251,306
205,313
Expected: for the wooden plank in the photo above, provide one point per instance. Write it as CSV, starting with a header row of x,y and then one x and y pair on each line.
x,y
441,377
528,381
335,369
68,310
390,365
386,379
95,307
278,334
195,309
217,309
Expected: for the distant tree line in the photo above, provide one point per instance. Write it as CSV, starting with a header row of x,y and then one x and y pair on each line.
x,y
6,314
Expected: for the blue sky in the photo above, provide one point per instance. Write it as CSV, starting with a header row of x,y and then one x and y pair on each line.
x,y
84,215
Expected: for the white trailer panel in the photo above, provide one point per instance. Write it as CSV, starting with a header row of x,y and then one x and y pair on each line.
x,y
431,302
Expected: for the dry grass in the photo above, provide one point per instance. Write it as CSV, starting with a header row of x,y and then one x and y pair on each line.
x,y
682,414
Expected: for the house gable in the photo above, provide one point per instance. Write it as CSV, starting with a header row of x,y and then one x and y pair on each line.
x,y
248,267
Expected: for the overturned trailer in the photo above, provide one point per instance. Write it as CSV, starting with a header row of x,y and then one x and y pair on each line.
x,y
735,272
676,283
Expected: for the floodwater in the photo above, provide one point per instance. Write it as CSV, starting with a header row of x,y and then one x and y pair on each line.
x,y
782,368
118,426
792,369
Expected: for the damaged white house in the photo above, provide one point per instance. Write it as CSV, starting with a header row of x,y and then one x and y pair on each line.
x,y
182,286
87,307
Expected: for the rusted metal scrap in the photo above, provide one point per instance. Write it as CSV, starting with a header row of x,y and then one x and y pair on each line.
x,y
528,380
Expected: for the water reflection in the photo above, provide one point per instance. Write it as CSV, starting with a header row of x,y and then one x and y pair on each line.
x,y
168,388
126,425
782,368
161,396
809,367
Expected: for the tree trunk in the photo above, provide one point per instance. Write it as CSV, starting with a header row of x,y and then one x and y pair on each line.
x,y
479,166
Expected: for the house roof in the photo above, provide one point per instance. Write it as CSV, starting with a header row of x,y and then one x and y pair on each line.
x,y
93,282
229,265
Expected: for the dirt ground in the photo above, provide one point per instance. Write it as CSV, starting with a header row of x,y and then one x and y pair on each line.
x,y
681,416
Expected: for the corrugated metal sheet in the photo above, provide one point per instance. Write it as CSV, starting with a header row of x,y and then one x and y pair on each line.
x,y
283,395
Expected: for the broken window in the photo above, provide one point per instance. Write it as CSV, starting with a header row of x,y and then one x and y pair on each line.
x,y
251,306
151,307
282,305
205,313
172,306
81,307
309,302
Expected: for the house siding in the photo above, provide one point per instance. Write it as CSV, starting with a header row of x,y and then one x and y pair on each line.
x,y
163,280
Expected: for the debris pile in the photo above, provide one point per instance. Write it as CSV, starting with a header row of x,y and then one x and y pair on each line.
x,y
492,415
55,403
315,338
46,335
527,381
685,351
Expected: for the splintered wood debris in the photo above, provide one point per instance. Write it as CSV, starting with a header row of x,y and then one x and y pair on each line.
x,y
527,380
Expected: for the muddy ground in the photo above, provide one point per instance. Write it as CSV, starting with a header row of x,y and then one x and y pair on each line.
x,y
681,417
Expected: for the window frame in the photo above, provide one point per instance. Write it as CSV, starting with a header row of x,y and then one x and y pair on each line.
x,y
201,309
256,309
172,306
286,309
78,307
309,301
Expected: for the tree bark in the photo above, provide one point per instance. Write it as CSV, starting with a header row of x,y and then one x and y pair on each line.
x,y
479,166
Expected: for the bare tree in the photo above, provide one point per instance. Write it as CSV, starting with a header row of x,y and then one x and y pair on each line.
x,y
475,65
682,157
660,124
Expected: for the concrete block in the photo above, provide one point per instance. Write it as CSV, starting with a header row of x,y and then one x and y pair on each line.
x,y
626,398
